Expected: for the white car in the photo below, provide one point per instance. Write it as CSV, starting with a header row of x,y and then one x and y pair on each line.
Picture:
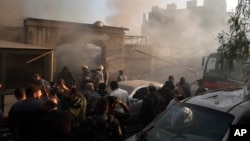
x,y
137,89
205,117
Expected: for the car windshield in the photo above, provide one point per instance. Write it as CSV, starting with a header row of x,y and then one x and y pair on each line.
x,y
188,122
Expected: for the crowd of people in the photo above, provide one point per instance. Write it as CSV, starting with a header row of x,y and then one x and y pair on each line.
x,y
66,111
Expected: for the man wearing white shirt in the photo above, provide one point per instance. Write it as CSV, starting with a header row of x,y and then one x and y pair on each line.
x,y
120,94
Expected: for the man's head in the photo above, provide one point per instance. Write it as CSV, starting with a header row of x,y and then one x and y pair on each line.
x,y
100,67
85,67
65,69
152,88
120,72
102,87
33,91
171,78
19,93
37,76
90,86
50,103
114,85
182,80
72,93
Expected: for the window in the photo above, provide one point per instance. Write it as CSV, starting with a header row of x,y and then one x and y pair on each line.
x,y
141,93
211,64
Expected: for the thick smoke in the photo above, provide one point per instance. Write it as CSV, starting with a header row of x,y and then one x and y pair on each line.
x,y
128,13
81,11
187,35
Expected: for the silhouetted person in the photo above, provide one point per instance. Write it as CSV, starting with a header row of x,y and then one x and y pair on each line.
x,y
74,103
185,87
100,126
201,88
178,96
19,94
169,84
55,124
68,77
23,114
150,105
44,84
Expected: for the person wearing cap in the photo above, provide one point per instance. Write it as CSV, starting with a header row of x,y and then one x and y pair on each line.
x,y
201,88
150,106
98,76
85,77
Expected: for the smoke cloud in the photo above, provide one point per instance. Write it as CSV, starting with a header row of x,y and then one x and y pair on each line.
x,y
188,34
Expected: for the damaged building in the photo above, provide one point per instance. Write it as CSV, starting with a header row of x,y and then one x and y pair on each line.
x,y
43,46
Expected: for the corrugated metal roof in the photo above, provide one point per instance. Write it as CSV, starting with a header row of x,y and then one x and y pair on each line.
x,y
14,45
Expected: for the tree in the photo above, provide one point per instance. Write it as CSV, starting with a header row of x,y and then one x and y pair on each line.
x,y
234,45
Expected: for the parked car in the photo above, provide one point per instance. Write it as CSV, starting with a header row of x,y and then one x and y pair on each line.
x,y
205,117
137,89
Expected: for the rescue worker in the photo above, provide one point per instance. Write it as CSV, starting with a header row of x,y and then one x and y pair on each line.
x,y
85,76
98,76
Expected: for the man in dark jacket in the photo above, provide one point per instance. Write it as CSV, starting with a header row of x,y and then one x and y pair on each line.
x,y
151,105
75,103
68,77
23,114
201,88
55,124
100,126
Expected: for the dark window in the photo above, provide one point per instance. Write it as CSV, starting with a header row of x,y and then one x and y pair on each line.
x,y
141,93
